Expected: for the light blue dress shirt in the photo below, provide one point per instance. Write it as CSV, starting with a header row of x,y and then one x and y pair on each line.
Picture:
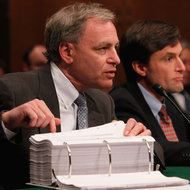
x,y
154,104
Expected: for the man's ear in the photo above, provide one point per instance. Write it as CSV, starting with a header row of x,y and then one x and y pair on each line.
x,y
139,68
65,51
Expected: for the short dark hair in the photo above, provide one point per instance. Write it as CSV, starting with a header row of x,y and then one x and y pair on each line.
x,y
142,39
25,57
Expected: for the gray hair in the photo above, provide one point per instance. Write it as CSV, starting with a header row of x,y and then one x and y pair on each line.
x,y
68,25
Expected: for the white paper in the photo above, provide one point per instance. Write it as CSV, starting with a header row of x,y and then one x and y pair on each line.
x,y
120,181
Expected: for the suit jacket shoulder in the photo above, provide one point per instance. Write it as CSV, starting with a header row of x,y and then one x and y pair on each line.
x,y
19,88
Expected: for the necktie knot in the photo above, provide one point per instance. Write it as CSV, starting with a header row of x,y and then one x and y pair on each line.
x,y
164,115
81,100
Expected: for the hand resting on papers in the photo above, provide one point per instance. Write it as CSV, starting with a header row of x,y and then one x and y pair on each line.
x,y
35,113
134,128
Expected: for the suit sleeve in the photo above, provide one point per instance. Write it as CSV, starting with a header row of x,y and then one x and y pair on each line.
x,y
176,153
6,103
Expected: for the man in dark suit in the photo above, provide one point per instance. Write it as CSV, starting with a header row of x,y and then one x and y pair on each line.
x,y
81,42
150,53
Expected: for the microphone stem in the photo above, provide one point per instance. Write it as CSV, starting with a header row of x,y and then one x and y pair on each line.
x,y
178,109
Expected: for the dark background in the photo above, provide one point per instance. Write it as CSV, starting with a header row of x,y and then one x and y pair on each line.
x,y
22,22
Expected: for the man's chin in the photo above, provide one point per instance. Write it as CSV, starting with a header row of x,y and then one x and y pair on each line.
x,y
106,86
177,89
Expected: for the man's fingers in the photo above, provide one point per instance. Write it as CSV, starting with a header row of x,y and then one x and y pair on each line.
x,y
45,116
134,128
57,121
53,123
129,125
52,126
30,115
146,133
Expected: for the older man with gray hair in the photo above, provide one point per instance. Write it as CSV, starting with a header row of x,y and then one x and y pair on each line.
x,y
81,42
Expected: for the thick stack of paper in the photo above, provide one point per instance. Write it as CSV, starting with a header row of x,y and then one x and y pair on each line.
x,y
89,153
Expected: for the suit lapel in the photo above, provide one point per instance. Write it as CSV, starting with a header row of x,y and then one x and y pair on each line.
x,y
94,116
47,92
147,113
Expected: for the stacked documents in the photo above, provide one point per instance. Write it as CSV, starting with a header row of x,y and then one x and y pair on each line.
x,y
89,153
92,158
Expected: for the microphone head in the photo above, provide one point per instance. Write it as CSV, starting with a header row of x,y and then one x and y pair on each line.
x,y
159,89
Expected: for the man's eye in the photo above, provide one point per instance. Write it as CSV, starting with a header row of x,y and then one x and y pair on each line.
x,y
102,50
169,58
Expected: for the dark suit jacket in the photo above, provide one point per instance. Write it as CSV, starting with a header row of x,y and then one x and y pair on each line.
x,y
18,88
129,102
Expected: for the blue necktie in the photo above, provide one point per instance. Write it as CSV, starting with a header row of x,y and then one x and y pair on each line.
x,y
82,112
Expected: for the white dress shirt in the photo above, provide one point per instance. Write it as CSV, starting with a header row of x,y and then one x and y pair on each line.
x,y
66,94
180,99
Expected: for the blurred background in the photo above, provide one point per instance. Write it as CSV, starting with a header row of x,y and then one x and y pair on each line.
x,y
22,22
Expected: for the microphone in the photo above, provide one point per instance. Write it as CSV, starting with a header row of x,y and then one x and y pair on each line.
x,y
160,90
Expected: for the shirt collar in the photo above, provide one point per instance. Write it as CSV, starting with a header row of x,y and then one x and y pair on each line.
x,y
64,88
154,104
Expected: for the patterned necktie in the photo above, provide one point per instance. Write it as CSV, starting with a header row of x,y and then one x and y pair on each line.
x,y
166,125
82,112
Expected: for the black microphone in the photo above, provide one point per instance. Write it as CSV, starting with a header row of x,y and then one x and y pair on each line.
x,y
160,90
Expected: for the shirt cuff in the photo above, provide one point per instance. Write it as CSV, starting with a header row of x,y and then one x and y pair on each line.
x,y
9,134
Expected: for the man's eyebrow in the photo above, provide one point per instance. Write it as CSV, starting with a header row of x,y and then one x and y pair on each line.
x,y
106,44
171,53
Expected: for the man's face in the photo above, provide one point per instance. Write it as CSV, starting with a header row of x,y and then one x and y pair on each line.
x,y
165,68
95,56
185,57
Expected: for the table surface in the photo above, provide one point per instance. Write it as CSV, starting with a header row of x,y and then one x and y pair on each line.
x,y
183,172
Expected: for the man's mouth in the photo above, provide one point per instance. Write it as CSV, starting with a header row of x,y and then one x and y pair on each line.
x,y
110,74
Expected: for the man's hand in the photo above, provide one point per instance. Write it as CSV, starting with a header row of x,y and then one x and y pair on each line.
x,y
134,128
30,115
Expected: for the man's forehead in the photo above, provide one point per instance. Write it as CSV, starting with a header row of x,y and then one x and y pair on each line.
x,y
176,49
100,32
95,24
